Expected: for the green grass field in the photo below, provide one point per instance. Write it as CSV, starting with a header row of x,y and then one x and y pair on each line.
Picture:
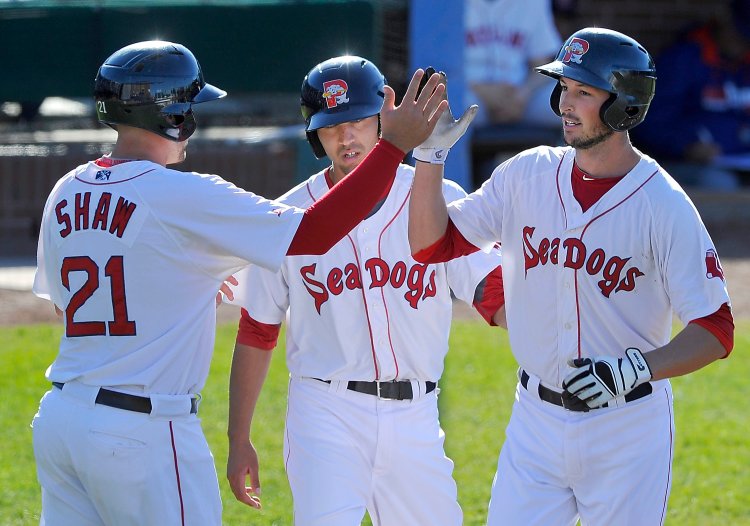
x,y
711,467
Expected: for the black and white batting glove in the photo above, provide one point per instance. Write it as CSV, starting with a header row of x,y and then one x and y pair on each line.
x,y
447,132
597,381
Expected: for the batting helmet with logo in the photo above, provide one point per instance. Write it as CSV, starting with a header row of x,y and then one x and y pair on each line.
x,y
152,85
610,61
341,89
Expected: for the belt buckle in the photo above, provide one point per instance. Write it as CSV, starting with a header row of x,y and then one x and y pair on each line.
x,y
381,397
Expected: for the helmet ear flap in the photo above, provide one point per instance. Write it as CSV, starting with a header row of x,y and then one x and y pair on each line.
x,y
620,117
554,99
317,146
607,112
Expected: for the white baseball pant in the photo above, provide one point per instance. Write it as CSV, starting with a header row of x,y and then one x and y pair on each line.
x,y
610,466
100,465
347,452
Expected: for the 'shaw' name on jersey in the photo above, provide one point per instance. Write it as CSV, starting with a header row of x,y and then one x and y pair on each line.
x,y
86,216
616,277
380,274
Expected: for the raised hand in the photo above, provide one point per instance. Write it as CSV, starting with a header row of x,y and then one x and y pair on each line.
x,y
446,133
411,122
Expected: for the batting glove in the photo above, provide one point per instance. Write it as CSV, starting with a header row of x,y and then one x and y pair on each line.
x,y
597,381
447,132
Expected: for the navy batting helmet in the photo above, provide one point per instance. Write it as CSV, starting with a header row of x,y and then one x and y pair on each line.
x,y
341,89
152,85
610,61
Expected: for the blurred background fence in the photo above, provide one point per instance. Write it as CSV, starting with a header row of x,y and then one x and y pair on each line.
x,y
257,50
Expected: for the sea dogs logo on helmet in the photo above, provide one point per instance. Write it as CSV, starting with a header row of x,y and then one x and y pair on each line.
x,y
334,91
575,50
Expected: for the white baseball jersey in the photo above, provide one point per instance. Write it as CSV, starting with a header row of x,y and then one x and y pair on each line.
x,y
597,282
503,35
135,253
365,310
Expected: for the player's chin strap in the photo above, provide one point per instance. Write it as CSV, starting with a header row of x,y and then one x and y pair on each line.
x,y
447,132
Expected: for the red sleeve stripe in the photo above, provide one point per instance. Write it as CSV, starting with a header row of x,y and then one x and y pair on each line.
x,y
345,205
721,325
452,245
253,333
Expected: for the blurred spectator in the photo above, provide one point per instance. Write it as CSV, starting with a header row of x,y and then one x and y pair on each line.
x,y
566,16
505,39
699,123
23,111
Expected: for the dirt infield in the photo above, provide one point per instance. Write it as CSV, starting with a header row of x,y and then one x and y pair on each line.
x,y
22,307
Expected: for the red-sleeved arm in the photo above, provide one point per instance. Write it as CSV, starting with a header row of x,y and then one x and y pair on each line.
x,y
721,325
452,245
256,334
346,204
489,297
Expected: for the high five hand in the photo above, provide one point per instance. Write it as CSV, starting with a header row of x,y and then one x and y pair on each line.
x,y
410,123
446,133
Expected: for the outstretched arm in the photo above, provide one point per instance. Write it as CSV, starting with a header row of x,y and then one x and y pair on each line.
x,y
428,215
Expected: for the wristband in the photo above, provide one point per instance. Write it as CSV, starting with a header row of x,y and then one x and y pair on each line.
x,y
431,155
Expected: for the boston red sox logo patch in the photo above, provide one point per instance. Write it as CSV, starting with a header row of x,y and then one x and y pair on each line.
x,y
334,92
574,51
713,267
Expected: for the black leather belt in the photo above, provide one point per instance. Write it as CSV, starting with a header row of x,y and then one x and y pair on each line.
x,y
553,397
128,402
392,390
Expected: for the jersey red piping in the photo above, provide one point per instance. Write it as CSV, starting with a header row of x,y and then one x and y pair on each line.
x,y
669,465
286,428
177,473
114,182
583,232
559,193
362,291
367,310
382,289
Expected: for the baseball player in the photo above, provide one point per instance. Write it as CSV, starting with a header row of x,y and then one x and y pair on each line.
x,y
367,334
117,439
600,248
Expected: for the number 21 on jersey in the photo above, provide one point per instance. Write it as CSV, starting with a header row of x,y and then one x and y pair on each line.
x,y
120,325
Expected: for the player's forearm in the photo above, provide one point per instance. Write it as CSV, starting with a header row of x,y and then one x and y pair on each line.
x,y
693,348
249,369
499,318
347,203
428,215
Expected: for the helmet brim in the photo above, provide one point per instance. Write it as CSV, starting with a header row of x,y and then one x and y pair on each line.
x,y
347,114
557,69
209,92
